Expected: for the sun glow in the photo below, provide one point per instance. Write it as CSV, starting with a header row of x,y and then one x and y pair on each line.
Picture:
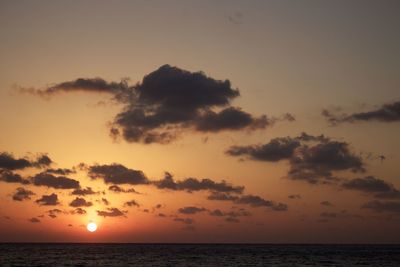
x,y
92,227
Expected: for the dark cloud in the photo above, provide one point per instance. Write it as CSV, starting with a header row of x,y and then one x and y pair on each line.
x,y
58,182
105,201
79,211
376,186
191,210
162,215
80,202
111,212
386,113
252,200
294,196
193,184
311,158
117,174
326,203
54,212
98,85
34,220
277,149
257,201
22,194
60,171
167,102
83,191
48,200
383,206
8,162
131,203
118,189
10,177
217,213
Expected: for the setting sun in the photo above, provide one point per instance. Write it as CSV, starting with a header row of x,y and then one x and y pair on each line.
x,y
92,227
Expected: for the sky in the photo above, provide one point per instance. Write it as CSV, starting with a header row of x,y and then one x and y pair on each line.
x,y
200,121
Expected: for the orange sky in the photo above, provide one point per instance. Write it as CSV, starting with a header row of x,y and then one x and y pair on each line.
x,y
284,58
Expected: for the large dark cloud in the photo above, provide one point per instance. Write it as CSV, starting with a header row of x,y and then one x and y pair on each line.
x,y
386,113
22,194
167,102
371,184
193,184
311,158
383,206
111,212
117,174
9,162
10,177
80,202
190,210
58,182
48,200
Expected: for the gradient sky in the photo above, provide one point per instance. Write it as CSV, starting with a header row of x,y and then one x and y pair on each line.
x,y
332,65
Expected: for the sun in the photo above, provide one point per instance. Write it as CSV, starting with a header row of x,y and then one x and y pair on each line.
x,y
92,227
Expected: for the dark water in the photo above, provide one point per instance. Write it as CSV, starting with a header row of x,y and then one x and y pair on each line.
x,y
197,255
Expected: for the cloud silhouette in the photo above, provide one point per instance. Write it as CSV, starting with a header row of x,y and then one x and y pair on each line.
x,y
48,200
83,191
118,189
8,162
193,184
311,158
111,212
80,202
385,113
117,174
167,102
191,210
22,194
382,206
58,182
131,203
371,184
34,220
10,177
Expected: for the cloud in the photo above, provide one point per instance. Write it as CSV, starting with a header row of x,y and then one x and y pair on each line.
x,y
294,196
97,85
385,113
48,200
252,200
131,203
83,191
111,212
277,149
326,203
80,202
370,184
105,201
60,171
118,189
193,184
22,194
382,206
10,177
34,220
191,210
257,201
232,220
79,211
311,158
167,102
9,162
230,214
58,182
117,174
54,212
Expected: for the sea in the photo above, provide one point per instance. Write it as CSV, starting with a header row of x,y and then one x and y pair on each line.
x,y
58,254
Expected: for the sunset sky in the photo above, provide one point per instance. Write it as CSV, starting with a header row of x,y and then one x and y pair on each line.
x,y
200,121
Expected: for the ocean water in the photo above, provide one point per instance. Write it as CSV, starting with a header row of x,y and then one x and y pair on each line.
x,y
197,255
